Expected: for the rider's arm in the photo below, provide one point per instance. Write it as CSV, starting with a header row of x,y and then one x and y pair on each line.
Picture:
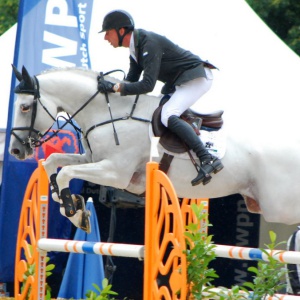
x,y
134,72
150,60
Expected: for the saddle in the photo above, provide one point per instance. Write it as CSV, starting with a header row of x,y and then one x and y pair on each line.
x,y
170,141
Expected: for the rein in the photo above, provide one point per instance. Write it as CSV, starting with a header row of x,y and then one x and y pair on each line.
x,y
34,142
130,116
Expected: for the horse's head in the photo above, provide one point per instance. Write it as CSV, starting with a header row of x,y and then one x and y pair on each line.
x,y
28,122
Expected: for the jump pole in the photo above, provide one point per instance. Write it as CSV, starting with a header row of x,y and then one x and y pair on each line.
x,y
111,249
247,253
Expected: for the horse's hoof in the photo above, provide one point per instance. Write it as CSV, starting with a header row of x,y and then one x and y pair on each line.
x,y
85,224
79,202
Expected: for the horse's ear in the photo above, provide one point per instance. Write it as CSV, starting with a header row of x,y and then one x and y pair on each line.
x,y
17,73
26,77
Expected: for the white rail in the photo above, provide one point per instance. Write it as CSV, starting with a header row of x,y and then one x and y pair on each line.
x,y
112,249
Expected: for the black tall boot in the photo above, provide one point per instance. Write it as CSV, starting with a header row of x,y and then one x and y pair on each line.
x,y
208,163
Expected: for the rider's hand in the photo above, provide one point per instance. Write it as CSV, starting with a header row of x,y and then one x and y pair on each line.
x,y
105,86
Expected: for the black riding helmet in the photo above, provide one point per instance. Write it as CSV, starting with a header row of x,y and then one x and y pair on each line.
x,y
118,19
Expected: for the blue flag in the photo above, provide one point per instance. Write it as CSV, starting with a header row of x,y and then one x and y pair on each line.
x,y
49,34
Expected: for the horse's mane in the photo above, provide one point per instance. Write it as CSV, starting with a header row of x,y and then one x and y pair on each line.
x,y
58,69
75,69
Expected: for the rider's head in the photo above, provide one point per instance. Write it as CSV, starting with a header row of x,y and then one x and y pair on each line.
x,y
116,20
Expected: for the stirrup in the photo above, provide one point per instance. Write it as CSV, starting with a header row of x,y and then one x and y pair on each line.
x,y
202,177
207,167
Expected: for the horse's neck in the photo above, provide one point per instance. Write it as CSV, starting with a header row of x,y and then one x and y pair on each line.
x,y
71,89
68,89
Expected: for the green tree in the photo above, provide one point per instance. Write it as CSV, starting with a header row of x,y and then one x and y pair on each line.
x,y
8,14
282,16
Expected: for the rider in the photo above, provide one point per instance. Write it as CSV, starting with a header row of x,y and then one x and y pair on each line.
x,y
185,75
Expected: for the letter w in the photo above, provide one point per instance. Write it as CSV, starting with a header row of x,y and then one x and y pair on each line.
x,y
67,47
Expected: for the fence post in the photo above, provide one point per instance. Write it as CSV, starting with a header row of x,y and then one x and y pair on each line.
x,y
33,225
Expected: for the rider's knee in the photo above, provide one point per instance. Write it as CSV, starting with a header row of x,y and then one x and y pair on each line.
x,y
165,115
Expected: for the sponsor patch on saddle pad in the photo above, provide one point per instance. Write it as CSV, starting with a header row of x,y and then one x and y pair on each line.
x,y
214,141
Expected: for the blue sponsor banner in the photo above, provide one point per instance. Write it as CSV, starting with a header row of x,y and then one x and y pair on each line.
x,y
51,33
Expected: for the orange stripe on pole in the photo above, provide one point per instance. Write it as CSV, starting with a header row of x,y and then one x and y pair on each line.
x,y
110,250
75,248
66,247
100,249
230,252
281,258
241,253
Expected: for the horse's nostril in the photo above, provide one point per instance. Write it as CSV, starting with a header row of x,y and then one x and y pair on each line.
x,y
15,151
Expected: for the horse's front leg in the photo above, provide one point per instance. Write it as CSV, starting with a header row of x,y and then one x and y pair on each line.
x,y
104,172
57,160
71,206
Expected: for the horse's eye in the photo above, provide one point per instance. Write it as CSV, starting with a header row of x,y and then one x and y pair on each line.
x,y
25,108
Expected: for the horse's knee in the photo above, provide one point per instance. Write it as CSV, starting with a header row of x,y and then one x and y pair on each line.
x,y
50,166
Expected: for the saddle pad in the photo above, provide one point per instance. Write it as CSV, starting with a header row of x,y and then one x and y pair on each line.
x,y
214,141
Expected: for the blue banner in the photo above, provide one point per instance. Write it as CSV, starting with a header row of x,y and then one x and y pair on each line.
x,y
51,33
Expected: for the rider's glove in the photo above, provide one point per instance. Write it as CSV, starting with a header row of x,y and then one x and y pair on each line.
x,y
105,86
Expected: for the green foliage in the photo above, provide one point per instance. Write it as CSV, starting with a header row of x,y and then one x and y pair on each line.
x,y
282,16
199,254
104,294
235,293
269,277
8,14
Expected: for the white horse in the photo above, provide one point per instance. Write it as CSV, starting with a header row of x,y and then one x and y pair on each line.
x,y
116,152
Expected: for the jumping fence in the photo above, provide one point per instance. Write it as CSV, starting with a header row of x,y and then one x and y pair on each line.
x,y
163,252
164,228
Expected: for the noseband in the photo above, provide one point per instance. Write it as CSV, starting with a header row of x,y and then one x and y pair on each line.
x,y
31,141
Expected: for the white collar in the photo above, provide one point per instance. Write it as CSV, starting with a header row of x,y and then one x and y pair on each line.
x,y
131,46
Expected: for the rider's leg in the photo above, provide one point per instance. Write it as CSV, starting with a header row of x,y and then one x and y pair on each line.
x,y
184,97
209,163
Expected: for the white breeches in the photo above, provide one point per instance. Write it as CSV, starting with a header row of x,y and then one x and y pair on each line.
x,y
185,96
